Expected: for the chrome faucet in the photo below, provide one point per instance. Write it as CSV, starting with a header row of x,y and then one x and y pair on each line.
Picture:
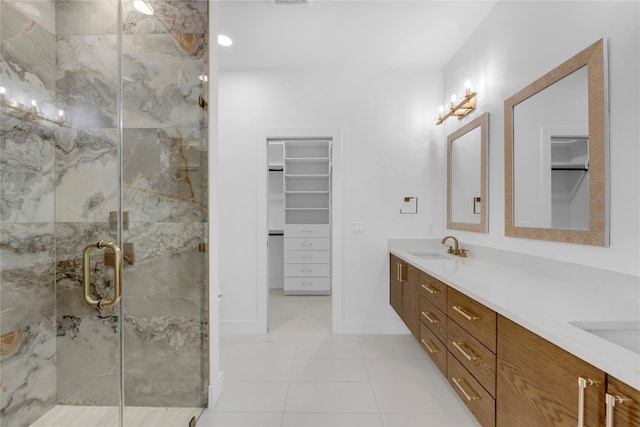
x,y
455,250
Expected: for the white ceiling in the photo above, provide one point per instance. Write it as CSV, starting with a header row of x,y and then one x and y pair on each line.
x,y
345,33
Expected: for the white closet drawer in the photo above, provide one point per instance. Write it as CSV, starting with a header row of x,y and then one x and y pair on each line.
x,y
307,270
311,244
304,284
306,230
307,257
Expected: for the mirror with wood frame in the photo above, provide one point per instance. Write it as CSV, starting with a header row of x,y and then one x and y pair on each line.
x,y
467,151
556,153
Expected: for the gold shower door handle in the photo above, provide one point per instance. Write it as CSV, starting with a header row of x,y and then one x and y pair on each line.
x,y
117,274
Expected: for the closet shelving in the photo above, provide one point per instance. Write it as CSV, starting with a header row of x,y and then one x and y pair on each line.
x,y
307,179
307,208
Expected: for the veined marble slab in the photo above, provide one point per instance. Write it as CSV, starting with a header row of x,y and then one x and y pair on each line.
x,y
28,383
161,85
164,175
28,61
28,274
87,174
86,80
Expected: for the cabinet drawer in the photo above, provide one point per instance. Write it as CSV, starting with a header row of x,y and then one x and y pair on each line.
x,y
474,356
477,319
433,290
307,270
433,318
436,350
307,285
306,244
306,230
307,257
479,402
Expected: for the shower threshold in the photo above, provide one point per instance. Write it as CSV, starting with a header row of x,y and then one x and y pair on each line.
x,y
107,416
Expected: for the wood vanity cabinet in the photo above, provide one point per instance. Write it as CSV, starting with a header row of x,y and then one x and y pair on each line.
x,y
505,374
397,275
622,403
471,360
433,321
538,382
411,300
404,294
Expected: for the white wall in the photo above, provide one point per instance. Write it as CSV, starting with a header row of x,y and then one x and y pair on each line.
x,y
390,149
516,44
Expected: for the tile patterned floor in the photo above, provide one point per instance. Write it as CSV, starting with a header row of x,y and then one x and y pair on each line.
x,y
301,375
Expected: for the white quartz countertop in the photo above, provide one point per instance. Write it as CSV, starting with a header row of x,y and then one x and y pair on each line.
x,y
534,298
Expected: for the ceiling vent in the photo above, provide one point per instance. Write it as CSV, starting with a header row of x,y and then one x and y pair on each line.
x,y
291,2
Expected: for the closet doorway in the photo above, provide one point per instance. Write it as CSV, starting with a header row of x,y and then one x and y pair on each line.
x,y
300,207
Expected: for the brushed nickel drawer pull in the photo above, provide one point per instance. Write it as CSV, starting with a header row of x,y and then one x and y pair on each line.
x,y
582,384
433,319
430,289
611,401
431,350
458,382
466,315
458,346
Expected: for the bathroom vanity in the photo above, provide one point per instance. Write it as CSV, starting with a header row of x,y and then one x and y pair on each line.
x,y
524,340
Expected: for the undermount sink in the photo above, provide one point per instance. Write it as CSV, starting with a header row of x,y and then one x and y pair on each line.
x,y
623,333
430,255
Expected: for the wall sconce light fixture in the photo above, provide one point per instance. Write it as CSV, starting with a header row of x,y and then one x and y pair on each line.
x,y
459,109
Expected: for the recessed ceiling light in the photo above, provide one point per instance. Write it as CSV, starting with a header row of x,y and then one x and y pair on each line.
x,y
142,7
224,40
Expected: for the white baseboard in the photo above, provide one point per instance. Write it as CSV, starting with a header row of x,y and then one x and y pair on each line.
x,y
215,390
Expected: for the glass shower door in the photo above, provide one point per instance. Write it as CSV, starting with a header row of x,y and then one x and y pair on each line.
x,y
164,197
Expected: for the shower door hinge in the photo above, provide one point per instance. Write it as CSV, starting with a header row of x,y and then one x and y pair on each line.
x,y
202,102
127,256
202,247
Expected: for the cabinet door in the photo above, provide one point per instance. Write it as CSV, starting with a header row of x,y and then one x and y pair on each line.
x,y
411,301
537,382
623,403
396,271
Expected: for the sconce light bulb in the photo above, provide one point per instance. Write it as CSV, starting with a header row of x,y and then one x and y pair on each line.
x,y
3,90
453,101
467,87
440,109
60,113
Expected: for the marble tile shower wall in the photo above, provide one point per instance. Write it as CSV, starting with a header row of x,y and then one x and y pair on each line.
x,y
59,184
27,216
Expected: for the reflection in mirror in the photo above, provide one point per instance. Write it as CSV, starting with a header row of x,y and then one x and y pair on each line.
x,y
555,154
537,137
467,176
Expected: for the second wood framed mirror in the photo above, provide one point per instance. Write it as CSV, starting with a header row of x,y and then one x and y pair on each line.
x,y
467,169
